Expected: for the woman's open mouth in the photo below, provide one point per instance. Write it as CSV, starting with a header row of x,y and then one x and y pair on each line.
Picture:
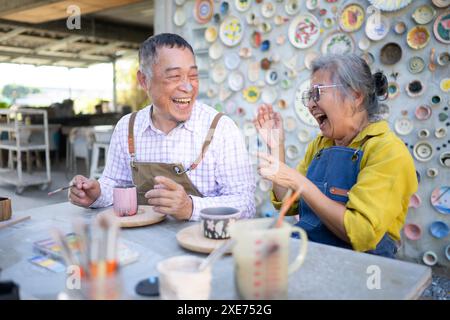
x,y
321,119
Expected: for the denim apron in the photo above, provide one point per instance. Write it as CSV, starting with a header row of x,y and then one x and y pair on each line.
x,y
334,171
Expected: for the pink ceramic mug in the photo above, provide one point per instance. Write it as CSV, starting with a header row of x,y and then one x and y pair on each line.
x,y
125,200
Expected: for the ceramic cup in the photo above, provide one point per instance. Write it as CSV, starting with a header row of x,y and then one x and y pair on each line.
x,y
443,59
423,133
435,100
432,172
180,279
217,220
430,258
412,231
125,200
5,209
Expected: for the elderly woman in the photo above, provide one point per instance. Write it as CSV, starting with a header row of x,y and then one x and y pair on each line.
x,y
357,176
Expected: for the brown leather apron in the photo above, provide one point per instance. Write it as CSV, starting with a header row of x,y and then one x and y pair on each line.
x,y
143,173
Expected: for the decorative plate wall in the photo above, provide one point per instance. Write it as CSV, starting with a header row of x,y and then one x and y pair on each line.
x,y
338,43
231,31
390,5
304,31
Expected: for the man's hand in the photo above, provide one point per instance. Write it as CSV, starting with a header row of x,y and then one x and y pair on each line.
x,y
169,197
84,191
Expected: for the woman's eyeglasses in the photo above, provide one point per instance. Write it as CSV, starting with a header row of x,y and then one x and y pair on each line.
x,y
314,93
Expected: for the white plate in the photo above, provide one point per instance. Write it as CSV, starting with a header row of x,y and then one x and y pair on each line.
x,y
423,151
272,77
211,34
290,124
424,14
269,95
231,31
312,4
363,44
304,31
309,58
232,60
180,2
268,9
242,5
403,126
224,93
292,152
292,7
390,5
338,43
179,17
303,135
215,51
253,71
302,111
236,80
219,73
376,31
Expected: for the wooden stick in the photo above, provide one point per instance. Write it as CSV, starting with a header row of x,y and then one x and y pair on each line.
x,y
12,221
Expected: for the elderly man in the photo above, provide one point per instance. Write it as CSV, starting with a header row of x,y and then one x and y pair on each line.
x,y
181,154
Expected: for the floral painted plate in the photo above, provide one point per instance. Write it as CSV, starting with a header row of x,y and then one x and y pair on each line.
x,y
390,5
416,65
351,17
231,31
418,37
203,10
440,199
441,28
304,31
251,94
338,43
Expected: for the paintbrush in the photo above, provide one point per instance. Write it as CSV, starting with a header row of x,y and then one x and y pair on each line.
x,y
60,189
285,207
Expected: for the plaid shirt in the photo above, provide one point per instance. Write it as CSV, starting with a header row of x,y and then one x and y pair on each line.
x,y
225,176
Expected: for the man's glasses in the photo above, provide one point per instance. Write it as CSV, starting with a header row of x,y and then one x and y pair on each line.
x,y
314,93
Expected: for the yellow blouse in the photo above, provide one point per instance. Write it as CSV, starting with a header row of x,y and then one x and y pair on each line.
x,y
378,202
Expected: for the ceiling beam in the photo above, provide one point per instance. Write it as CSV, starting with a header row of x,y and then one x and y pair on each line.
x,y
92,27
12,33
8,6
58,44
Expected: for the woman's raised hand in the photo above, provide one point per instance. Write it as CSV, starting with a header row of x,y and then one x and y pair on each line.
x,y
270,126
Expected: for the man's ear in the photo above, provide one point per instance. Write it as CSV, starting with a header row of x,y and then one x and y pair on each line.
x,y
142,80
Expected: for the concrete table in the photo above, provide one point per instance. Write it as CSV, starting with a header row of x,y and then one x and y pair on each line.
x,y
327,273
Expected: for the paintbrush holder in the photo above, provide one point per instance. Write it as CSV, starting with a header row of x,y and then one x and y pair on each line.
x,y
102,288
5,209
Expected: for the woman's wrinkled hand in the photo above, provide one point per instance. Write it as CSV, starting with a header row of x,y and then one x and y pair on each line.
x,y
270,126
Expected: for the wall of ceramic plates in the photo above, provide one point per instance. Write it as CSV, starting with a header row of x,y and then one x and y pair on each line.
x,y
251,51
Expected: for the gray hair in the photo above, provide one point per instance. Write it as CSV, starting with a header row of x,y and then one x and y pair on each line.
x,y
353,73
148,51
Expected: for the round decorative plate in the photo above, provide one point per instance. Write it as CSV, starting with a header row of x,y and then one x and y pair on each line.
x,y
439,229
211,34
272,77
423,151
393,90
338,43
268,10
415,201
400,27
416,65
242,5
219,73
441,28
290,124
232,60
412,231
441,3
351,17
215,51
390,5
424,14
363,43
292,152
309,58
423,112
415,88
312,4
444,159
302,111
384,111
445,84
304,31
292,7
231,31
390,53
203,10
236,80
269,95
403,126
303,135
251,94
377,30
418,37
179,17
